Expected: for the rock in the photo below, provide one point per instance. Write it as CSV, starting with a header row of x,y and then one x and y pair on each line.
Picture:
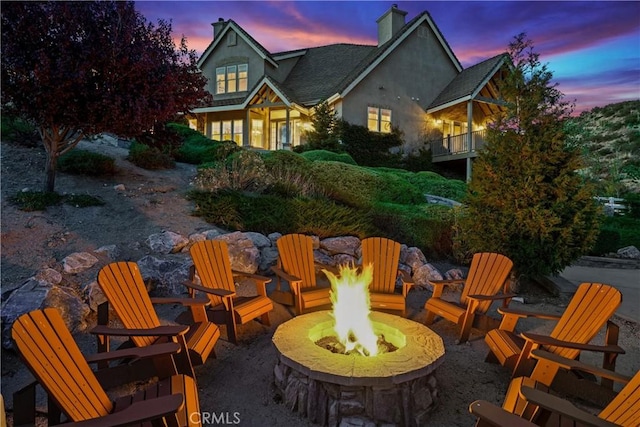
x,y
167,242
414,258
341,245
119,187
268,258
344,259
50,276
213,233
629,252
28,297
94,295
322,258
274,237
454,274
78,262
167,276
242,252
259,240
110,250
73,309
423,274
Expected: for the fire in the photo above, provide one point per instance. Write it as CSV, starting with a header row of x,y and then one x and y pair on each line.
x,y
351,308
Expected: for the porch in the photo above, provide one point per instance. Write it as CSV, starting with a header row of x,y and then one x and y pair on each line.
x,y
455,147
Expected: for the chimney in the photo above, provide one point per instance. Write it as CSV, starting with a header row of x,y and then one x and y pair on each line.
x,y
390,23
217,27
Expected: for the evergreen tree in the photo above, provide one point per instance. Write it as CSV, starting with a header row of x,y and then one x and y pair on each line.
x,y
525,198
325,133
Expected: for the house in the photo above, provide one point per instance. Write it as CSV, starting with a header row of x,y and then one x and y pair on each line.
x,y
411,80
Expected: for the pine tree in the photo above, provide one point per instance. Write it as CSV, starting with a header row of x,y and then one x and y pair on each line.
x,y
526,199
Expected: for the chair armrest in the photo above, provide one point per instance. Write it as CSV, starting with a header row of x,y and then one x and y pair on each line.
x,y
521,313
137,412
496,416
180,300
407,282
565,408
332,268
491,297
576,365
547,340
446,282
169,330
286,276
223,293
135,353
255,277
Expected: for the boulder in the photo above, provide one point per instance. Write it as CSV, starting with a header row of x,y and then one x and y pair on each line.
x,y
629,252
78,262
167,242
423,274
166,275
110,251
414,258
259,240
49,275
322,258
341,245
242,251
268,258
344,259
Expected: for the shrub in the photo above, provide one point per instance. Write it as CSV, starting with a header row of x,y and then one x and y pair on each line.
x,y
83,162
82,200
199,149
36,200
347,184
284,159
370,148
244,171
326,218
418,161
324,155
608,241
149,158
437,185
18,130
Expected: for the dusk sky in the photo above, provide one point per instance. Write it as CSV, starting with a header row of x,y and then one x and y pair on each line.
x,y
592,48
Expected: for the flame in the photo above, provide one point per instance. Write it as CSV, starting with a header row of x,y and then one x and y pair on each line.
x,y
351,308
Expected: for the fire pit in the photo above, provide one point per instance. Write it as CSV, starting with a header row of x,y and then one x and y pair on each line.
x,y
396,387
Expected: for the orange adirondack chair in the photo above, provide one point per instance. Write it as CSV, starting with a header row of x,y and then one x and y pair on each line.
x,y
213,265
297,266
488,273
53,357
124,288
588,311
529,399
384,255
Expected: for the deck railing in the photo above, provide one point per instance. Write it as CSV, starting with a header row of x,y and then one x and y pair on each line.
x,y
458,144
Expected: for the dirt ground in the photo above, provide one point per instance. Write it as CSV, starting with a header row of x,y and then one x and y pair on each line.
x,y
239,382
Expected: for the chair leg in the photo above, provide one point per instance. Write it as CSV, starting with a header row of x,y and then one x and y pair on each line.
x,y
430,317
231,328
265,319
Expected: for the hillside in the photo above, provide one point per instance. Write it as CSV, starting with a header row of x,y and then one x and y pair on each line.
x,y
609,138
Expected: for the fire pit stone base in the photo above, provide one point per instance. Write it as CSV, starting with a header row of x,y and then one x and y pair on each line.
x,y
397,388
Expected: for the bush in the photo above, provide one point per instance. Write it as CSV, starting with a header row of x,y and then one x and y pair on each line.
x,y
437,185
83,162
149,158
36,200
370,148
285,159
325,218
608,241
199,149
18,130
324,155
244,171
82,200
418,161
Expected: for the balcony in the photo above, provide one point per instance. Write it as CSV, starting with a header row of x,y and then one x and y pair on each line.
x,y
455,147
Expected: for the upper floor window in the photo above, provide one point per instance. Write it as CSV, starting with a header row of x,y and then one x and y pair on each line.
x,y
232,78
379,120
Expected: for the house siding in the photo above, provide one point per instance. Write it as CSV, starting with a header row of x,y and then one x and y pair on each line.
x,y
426,71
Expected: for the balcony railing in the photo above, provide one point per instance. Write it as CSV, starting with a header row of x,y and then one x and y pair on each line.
x,y
458,144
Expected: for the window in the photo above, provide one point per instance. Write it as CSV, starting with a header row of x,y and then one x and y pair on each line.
x,y
232,78
257,130
227,130
379,120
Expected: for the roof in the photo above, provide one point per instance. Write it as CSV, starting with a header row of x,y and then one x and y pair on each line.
x,y
469,81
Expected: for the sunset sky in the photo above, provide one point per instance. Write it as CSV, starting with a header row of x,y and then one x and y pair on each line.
x,y
592,48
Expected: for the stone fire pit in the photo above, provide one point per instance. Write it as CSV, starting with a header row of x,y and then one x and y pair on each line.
x,y
336,389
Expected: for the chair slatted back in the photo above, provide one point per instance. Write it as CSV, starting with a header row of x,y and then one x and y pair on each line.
x,y
123,286
212,262
624,409
589,309
384,255
52,355
487,275
296,258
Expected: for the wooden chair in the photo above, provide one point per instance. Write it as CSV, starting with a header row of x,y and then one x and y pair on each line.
x,y
384,255
588,311
213,265
488,273
545,409
124,288
53,357
297,266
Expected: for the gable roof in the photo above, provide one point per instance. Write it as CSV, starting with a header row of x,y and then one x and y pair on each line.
x,y
231,25
468,83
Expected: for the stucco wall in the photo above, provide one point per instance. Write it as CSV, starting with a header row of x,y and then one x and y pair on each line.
x,y
419,68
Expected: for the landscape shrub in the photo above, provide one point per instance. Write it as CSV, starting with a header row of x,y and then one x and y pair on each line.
x,y
82,200
437,185
18,130
351,185
285,159
30,201
370,148
419,160
324,155
149,158
625,227
199,149
83,162
325,218
243,171
608,241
